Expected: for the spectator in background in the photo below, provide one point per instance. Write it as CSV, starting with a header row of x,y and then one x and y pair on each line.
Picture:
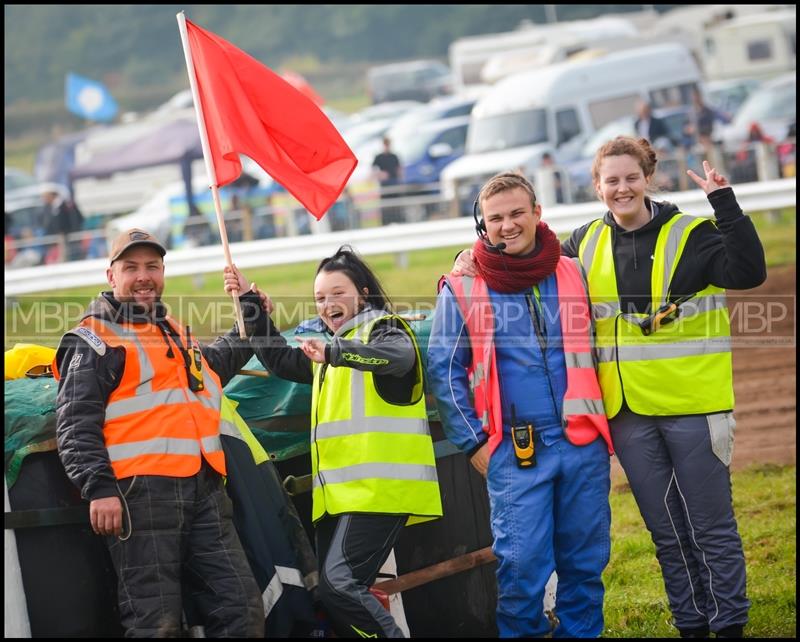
x,y
62,217
8,239
389,173
648,126
548,164
28,253
702,121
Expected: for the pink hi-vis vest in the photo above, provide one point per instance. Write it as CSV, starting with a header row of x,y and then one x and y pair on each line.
x,y
583,414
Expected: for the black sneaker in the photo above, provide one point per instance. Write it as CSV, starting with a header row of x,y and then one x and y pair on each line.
x,y
699,632
732,631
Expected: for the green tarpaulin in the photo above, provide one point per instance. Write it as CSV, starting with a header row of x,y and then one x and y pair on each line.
x,y
277,411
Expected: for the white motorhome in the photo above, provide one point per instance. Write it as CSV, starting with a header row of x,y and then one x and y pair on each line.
x,y
469,55
752,46
532,113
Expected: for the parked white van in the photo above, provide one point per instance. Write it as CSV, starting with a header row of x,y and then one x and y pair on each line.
x,y
532,113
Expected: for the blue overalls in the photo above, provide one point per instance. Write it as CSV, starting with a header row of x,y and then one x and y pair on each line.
x,y
556,515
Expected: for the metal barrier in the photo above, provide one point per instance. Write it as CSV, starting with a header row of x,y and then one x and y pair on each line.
x,y
395,238
362,207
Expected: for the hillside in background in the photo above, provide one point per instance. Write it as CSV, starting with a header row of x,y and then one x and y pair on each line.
x,y
136,51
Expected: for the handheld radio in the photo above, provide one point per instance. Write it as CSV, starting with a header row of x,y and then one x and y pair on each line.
x,y
523,438
195,366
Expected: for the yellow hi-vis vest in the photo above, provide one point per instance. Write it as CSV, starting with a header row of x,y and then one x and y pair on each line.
x,y
369,455
682,368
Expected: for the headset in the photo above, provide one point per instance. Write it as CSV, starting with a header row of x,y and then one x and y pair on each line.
x,y
480,230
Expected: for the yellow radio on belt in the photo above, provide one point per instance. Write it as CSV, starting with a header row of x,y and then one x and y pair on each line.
x,y
195,366
523,438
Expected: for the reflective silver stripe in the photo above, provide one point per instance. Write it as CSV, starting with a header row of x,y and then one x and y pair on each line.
x,y
671,251
357,395
468,282
651,352
697,305
229,428
701,304
150,400
211,444
272,593
591,247
397,425
146,371
605,310
145,401
384,471
158,446
290,576
208,402
214,391
583,407
579,359
478,375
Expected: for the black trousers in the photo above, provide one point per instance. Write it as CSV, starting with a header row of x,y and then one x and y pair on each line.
x,y
183,545
351,549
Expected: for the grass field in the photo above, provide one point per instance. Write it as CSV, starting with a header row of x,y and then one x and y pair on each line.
x,y
636,605
411,284
765,506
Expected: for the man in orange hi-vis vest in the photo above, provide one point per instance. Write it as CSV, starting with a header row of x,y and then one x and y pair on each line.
x,y
511,367
138,430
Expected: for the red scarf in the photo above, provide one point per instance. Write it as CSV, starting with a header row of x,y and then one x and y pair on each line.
x,y
506,273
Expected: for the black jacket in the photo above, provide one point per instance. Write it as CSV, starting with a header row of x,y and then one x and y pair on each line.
x,y
728,255
389,355
88,379
657,129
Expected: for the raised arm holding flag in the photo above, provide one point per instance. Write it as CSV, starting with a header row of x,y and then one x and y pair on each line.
x,y
244,108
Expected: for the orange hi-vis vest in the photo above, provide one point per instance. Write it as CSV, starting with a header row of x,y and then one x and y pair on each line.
x,y
155,424
583,415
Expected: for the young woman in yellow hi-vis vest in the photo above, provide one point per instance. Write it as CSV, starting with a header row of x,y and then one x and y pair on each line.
x,y
656,281
372,459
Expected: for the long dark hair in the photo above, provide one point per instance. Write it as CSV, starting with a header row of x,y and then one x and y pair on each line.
x,y
347,261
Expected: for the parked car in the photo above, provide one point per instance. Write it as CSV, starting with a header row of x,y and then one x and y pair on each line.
x,y
530,114
772,108
393,109
429,148
165,214
729,95
415,80
371,123
579,167
436,109
23,201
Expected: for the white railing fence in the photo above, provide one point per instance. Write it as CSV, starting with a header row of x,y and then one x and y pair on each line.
x,y
394,238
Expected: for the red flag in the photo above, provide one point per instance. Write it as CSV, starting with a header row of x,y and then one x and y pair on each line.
x,y
248,109
303,86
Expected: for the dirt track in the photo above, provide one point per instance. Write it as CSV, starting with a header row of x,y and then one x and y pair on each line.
x,y
764,372
764,378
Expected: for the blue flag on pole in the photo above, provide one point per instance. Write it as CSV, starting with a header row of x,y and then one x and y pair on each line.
x,y
89,99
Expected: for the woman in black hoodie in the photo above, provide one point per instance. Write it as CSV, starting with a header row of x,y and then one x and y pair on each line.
x,y
656,280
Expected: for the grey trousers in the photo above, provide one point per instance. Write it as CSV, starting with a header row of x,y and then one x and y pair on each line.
x,y
351,549
678,471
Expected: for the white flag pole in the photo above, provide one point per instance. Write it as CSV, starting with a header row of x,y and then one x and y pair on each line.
x,y
212,175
